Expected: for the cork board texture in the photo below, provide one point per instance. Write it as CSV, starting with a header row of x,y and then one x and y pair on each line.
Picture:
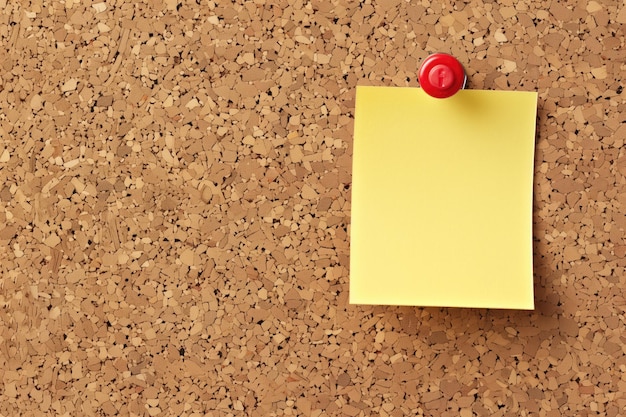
x,y
175,186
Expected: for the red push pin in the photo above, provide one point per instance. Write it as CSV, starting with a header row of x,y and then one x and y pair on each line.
x,y
441,75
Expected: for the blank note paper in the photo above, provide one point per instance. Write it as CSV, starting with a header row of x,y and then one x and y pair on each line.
x,y
442,198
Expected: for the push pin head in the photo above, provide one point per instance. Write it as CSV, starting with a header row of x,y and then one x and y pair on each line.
x,y
441,75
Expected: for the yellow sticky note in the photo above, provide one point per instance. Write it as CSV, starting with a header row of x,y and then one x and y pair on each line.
x,y
442,198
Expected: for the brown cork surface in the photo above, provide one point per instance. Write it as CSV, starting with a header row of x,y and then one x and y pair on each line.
x,y
175,207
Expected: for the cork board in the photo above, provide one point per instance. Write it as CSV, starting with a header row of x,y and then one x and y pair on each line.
x,y
175,207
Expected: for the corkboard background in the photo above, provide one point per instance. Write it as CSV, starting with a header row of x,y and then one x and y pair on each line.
x,y
175,208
